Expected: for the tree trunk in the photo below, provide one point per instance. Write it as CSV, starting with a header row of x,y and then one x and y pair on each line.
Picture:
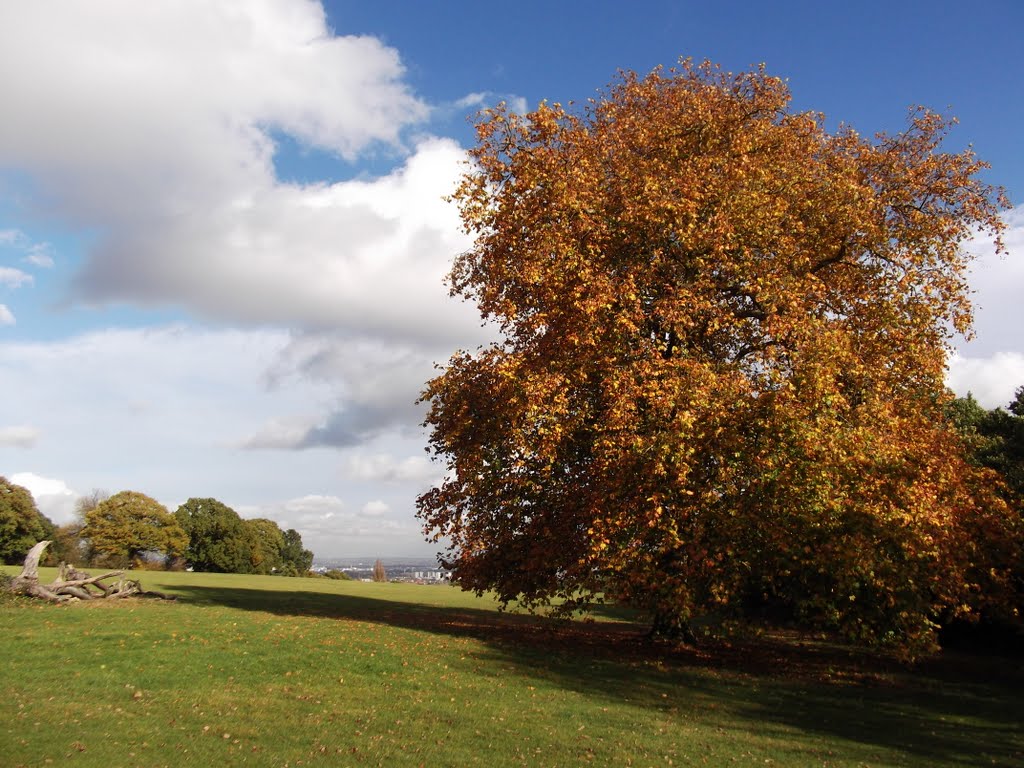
x,y
672,628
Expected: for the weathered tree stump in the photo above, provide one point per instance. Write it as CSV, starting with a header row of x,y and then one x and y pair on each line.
x,y
72,585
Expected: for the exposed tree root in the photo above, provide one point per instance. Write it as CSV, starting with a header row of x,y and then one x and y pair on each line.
x,y
72,585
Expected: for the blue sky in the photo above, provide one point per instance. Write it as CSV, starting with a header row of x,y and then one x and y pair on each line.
x,y
222,233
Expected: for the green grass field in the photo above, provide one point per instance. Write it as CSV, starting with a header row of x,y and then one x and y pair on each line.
x,y
264,671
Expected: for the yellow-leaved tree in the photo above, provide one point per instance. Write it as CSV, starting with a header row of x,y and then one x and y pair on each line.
x,y
129,526
719,386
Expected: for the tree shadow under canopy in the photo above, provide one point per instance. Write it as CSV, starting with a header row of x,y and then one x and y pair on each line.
x,y
953,709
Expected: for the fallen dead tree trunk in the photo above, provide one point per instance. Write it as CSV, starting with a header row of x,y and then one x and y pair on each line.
x,y
72,585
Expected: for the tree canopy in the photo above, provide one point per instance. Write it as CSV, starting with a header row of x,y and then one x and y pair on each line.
x,y
267,543
21,523
719,386
221,541
217,540
129,525
995,437
296,560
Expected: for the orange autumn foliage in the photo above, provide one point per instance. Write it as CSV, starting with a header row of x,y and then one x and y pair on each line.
x,y
720,380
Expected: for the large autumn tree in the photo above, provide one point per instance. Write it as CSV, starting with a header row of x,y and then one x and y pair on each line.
x,y
719,386
130,525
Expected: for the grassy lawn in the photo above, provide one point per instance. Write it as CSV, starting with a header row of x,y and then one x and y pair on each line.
x,y
263,671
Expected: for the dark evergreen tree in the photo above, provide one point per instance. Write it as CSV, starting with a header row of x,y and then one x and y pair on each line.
x,y
296,561
218,540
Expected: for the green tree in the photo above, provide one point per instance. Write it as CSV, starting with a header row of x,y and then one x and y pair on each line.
x,y
218,541
129,526
719,385
295,560
68,545
994,441
266,542
22,525
995,438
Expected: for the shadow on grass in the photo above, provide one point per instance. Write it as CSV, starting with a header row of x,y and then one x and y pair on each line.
x,y
955,710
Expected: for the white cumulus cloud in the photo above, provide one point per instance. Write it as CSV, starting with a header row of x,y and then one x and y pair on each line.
x,y
14,278
990,366
53,497
19,436
383,467
329,527
40,256
996,282
36,254
41,486
175,107
992,380
374,508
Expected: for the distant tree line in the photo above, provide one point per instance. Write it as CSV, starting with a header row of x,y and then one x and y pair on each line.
x,y
219,541
130,529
